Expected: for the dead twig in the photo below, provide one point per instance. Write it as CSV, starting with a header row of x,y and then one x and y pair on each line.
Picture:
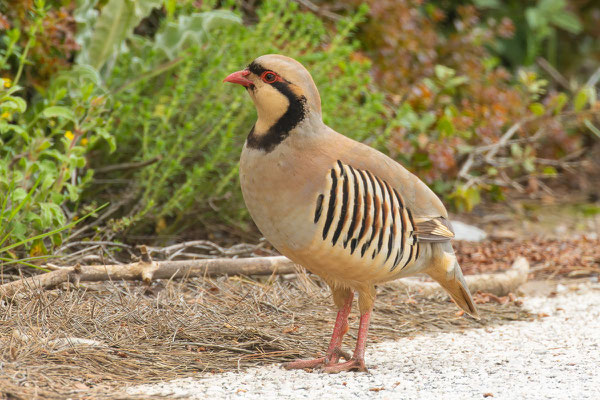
x,y
146,271
557,76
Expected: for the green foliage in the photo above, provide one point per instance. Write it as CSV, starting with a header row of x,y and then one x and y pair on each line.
x,y
182,114
191,30
116,21
536,28
43,146
145,106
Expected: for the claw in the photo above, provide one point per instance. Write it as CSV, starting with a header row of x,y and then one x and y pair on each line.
x,y
337,354
350,365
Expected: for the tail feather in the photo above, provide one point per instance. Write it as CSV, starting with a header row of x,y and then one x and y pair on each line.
x,y
449,275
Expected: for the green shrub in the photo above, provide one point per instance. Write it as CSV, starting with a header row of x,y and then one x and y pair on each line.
x,y
43,144
180,113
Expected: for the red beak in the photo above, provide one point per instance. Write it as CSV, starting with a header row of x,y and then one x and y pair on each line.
x,y
239,78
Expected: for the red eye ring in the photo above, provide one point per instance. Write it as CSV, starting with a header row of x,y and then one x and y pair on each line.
x,y
269,76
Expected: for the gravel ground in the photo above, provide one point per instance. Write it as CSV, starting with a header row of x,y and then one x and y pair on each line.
x,y
555,356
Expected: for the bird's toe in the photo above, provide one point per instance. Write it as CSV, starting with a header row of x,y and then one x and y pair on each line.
x,y
350,365
302,364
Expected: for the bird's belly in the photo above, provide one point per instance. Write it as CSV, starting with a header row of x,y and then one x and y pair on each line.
x,y
336,265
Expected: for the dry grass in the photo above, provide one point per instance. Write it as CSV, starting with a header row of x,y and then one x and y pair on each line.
x,y
137,334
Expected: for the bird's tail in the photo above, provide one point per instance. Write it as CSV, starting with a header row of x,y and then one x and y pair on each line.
x,y
448,274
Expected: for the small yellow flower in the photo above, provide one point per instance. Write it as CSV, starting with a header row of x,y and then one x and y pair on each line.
x,y
84,142
69,135
6,82
5,115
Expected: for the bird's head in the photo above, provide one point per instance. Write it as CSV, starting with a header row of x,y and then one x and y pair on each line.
x,y
282,90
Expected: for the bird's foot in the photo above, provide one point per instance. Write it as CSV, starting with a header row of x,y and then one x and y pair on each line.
x,y
351,365
331,360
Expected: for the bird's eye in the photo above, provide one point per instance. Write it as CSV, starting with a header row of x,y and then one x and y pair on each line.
x,y
268,77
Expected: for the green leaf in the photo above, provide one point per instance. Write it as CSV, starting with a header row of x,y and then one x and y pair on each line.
x,y
18,195
52,213
115,23
110,139
551,6
22,200
59,111
550,171
192,30
52,232
537,108
559,102
73,192
456,81
443,73
516,150
534,18
445,126
529,165
567,21
581,99
14,103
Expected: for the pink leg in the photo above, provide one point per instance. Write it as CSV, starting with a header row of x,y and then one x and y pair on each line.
x,y
357,362
334,351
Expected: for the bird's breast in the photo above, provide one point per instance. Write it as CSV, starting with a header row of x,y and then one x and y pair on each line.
x,y
277,192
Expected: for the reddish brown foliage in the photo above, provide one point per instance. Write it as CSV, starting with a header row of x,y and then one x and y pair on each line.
x,y
54,45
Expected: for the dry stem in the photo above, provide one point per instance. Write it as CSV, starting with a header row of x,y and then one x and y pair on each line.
x,y
147,270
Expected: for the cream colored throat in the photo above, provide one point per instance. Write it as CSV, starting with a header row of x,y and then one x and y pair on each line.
x,y
270,107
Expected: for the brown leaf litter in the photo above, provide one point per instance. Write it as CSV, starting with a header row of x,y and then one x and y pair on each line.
x,y
548,258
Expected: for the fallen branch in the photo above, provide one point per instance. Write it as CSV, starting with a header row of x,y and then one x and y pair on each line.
x,y
146,270
499,284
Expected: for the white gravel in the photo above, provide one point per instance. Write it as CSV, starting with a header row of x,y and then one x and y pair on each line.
x,y
554,357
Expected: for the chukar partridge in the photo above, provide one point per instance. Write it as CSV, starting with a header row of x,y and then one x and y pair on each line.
x,y
343,210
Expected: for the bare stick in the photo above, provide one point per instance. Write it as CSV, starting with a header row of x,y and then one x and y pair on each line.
x,y
146,271
557,76
498,284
